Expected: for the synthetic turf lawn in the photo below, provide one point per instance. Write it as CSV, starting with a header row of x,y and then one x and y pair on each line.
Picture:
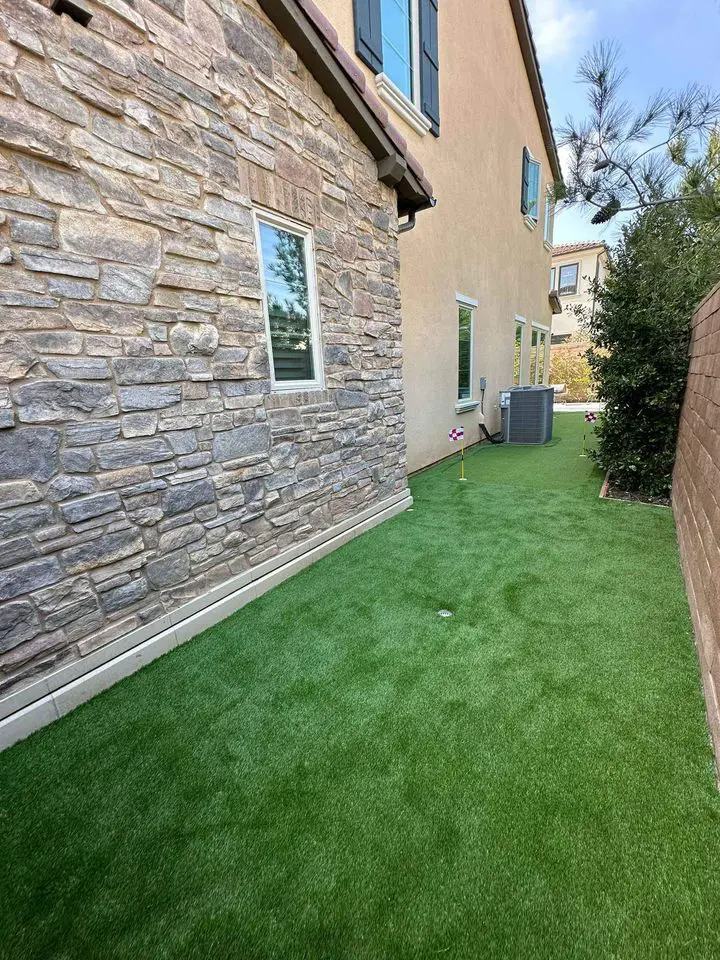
x,y
337,772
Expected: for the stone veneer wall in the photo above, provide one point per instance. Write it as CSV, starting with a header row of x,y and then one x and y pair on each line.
x,y
143,458
696,497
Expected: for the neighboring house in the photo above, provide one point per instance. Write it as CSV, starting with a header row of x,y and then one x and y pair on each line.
x,y
574,267
463,85
201,360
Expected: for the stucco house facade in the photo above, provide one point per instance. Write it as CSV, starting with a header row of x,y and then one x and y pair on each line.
x,y
462,83
201,349
574,268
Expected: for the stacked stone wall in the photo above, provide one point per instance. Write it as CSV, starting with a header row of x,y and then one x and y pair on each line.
x,y
144,458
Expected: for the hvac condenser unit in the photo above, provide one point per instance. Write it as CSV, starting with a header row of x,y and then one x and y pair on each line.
x,y
527,414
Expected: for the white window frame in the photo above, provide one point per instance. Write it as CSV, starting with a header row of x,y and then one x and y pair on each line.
x,y
549,225
273,219
469,403
553,277
561,266
390,93
541,329
519,321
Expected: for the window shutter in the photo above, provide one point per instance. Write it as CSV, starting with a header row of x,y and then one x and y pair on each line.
x,y
429,64
524,207
368,33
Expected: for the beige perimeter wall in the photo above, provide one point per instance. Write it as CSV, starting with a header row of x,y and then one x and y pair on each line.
x,y
696,497
475,241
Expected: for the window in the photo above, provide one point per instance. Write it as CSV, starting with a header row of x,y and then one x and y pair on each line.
x,y
549,219
541,357
552,278
530,186
569,279
291,316
519,353
398,40
465,343
533,356
538,355
397,35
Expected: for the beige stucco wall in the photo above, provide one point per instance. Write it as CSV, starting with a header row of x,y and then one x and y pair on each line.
x,y
567,322
475,241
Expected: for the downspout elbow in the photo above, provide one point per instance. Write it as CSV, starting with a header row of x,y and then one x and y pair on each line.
x,y
408,224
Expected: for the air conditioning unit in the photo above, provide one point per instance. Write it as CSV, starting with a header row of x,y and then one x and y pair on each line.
x,y
527,414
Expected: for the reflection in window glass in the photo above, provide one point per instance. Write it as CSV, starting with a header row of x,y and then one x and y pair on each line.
x,y
396,18
519,327
464,352
541,358
533,191
568,279
533,356
286,290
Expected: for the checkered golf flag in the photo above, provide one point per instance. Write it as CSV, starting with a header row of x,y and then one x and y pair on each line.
x,y
457,433
590,417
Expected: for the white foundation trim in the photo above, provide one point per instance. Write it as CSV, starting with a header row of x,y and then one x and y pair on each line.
x,y
48,699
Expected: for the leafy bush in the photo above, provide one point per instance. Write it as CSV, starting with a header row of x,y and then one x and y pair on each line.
x,y
569,365
657,274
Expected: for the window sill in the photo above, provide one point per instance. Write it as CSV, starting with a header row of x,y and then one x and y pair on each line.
x,y
530,223
297,386
548,246
462,406
401,104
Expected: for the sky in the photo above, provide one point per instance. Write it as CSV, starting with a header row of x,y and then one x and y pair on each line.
x,y
666,44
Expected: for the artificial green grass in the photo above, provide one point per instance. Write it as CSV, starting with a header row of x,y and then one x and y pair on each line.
x,y
337,772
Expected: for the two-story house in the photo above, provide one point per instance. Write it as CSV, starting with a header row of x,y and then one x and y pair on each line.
x,y
218,302
575,266
461,82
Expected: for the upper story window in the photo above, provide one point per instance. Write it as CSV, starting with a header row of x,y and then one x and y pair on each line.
x,y
568,279
549,220
530,196
398,40
287,271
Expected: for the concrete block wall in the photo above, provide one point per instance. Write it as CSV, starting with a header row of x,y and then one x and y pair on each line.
x,y
696,497
144,459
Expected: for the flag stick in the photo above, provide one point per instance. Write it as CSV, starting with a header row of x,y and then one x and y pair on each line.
x,y
462,460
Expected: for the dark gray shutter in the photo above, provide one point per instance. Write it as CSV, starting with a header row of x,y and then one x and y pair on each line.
x,y
368,35
525,181
429,64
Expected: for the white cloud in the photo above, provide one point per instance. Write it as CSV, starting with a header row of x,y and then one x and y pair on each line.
x,y
559,27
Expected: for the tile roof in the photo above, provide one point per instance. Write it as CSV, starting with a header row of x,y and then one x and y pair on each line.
x,y
561,248
532,66
344,82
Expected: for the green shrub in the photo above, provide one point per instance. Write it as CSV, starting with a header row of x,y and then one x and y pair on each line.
x,y
571,367
657,274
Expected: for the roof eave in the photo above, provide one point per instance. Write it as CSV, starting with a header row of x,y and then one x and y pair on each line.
x,y
321,54
532,65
